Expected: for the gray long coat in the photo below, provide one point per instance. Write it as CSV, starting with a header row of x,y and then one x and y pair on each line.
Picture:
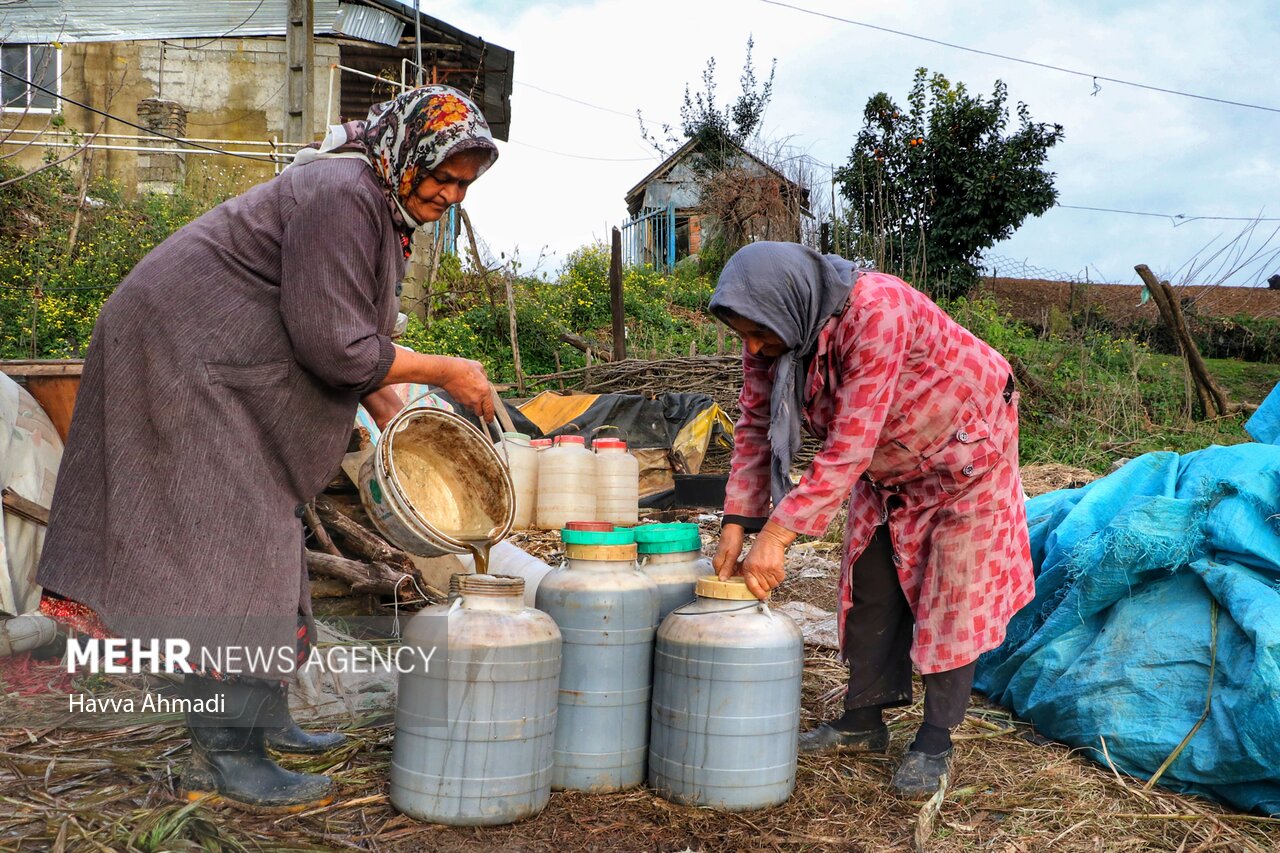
x,y
218,395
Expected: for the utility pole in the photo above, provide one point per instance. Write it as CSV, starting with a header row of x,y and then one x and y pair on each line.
x,y
300,58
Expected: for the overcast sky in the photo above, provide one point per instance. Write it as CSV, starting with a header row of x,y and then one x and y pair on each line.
x,y
1124,148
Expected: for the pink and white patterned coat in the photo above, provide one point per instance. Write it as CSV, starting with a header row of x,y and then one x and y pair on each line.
x,y
910,405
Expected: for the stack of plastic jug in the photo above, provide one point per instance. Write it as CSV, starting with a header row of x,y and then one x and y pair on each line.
x,y
617,483
607,612
475,730
671,554
566,483
522,461
726,701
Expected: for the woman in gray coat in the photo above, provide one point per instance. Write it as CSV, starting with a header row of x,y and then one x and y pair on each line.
x,y
218,396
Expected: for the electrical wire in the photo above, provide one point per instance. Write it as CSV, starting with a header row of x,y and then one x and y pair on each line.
x,y
1178,218
134,125
583,103
1005,56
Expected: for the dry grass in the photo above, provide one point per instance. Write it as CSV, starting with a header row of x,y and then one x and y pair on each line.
x,y
78,790
1038,479
1011,791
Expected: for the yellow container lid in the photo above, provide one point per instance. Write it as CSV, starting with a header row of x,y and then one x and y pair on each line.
x,y
734,589
601,553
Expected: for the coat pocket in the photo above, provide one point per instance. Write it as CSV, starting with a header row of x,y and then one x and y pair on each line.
x,y
966,455
247,376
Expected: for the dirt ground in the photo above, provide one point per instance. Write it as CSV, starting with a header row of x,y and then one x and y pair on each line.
x,y
1011,791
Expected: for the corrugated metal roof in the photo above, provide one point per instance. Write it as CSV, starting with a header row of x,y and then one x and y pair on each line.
x,y
364,22
41,21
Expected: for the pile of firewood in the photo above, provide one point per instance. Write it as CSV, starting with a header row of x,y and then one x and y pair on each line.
x,y
347,556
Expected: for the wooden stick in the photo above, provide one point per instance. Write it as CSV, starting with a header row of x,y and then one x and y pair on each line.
x,y
372,578
500,411
515,339
581,343
362,542
323,539
1161,299
1198,367
25,509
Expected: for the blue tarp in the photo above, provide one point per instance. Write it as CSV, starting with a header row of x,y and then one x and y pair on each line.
x,y
1264,426
1133,572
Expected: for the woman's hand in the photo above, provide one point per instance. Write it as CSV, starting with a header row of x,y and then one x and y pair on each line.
x,y
464,379
469,385
725,562
764,568
382,405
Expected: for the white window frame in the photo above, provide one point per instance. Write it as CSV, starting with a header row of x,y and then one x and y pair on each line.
x,y
57,84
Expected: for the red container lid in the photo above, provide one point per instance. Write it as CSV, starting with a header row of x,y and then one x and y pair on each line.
x,y
571,439
590,526
610,444
540,442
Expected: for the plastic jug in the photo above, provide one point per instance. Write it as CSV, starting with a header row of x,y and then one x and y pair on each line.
x,y
617,483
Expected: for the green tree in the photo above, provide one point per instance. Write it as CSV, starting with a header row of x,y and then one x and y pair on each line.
x,y
930,187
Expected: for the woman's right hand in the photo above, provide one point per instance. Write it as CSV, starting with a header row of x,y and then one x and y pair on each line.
x,y
725,562
469,385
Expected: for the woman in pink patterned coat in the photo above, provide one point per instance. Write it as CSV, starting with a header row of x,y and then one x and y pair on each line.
x,y
919,424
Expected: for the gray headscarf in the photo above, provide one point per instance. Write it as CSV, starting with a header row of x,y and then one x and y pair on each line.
x,y
792,291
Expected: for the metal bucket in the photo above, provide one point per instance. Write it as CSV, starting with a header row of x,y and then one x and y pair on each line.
x,y
431,479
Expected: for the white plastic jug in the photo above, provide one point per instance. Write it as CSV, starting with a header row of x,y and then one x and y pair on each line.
x,y
617,483
522,461
566,483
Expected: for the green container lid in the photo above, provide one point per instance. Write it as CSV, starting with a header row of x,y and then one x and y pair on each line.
x,y
668,538
617,536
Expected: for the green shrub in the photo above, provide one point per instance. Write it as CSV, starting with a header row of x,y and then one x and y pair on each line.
x,y
50,291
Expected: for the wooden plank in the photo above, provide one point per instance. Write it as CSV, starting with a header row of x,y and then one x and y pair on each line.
x,y
57,396
23,508
25,367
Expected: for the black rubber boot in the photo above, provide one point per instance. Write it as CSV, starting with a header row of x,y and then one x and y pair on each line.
x,y
827,738
290,737
229,756
920,774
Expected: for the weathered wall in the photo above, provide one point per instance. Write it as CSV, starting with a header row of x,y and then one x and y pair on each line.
x,y
231,88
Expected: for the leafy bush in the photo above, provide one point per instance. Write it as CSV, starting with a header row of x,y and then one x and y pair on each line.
x,y
51,290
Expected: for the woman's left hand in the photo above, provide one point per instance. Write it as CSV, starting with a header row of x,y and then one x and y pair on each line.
x,y
382,405
764,568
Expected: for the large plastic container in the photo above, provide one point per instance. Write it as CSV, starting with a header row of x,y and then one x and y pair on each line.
x,y
671,554
434,482
607,612
522,462
513,561
617,483
726,701
474,733
566,483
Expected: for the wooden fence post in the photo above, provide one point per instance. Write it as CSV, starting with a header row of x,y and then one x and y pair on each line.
x,y
515,342
1211,396
615,299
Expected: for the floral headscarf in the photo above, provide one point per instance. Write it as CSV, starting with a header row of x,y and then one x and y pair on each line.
x,y
405,138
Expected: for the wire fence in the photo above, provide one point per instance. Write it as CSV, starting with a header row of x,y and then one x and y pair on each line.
x,y
1001,267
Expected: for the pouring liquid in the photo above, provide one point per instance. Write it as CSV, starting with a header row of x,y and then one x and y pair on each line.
x,y
479,550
